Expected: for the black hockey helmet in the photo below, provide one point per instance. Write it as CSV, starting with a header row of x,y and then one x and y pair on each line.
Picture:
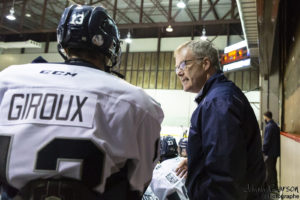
x,y
183,143
91,28
168,147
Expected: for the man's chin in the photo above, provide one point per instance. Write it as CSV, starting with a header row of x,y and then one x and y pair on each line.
x,y
187,89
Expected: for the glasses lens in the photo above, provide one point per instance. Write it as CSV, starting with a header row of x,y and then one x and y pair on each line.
x,y
181,66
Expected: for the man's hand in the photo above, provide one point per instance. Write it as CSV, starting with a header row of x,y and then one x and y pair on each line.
x,y
182,168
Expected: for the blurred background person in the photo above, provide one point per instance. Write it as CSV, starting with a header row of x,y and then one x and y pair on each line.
x,y
271,149
165,184
168,148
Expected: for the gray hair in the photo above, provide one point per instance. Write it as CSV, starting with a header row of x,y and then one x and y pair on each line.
x,y
202,49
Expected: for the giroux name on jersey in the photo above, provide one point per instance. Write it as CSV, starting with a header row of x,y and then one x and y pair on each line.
x,y
36,105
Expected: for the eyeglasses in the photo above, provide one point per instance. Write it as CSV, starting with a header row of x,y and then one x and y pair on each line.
x,y
183,64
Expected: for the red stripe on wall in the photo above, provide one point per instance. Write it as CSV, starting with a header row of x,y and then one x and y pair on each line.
x,y
292,136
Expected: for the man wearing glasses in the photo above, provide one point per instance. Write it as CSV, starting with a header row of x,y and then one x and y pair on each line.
x,y
224,151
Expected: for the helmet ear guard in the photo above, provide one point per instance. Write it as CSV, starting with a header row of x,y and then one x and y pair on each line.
x,y
107,38
90,28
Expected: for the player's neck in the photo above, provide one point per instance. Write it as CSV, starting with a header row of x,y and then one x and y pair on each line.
x,y
97,62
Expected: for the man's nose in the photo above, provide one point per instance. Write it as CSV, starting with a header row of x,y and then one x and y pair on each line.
x,y
180,72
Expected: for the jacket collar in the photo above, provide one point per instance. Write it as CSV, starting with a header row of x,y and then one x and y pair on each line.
x,y
208,85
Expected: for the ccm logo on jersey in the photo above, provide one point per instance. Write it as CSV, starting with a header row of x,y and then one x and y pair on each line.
x,y
51,107
58,73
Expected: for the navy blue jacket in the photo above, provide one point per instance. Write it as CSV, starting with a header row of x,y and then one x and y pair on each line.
x,y
224,149
271,145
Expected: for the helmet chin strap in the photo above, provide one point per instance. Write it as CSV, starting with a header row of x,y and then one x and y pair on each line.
x,y
118,74
108,70
59,48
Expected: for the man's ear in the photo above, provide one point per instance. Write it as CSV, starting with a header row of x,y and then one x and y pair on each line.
x,y
206,64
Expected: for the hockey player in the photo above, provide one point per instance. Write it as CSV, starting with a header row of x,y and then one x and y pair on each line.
x,y
165,184
149,195
168,148
72,130
182,146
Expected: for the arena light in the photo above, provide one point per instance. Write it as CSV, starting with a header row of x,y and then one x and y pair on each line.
x,y
181,4
128,39
11,15
203,36
169,29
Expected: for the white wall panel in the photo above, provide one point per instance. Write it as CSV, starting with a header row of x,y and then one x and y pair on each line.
x,y
170,44
141,45
178,107
289,165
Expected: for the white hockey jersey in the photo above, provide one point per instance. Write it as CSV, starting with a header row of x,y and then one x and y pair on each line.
x,y
165,184
149,195
75,121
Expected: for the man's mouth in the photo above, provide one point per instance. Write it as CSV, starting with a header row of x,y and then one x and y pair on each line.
x,y
184,80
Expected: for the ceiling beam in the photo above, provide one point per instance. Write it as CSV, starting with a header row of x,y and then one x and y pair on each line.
x,y
226,14
236,15
53,10
190,13
177,13
145,25
193,33
19,24
200,11
157,4
157,57
123,15
214,9
210,8
189,23
50,12
22,15
213,38
170,11
141,11
43,14
152,9
115,10
237,33
59,4
233,5
9,29
4,5
133,5
228,35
